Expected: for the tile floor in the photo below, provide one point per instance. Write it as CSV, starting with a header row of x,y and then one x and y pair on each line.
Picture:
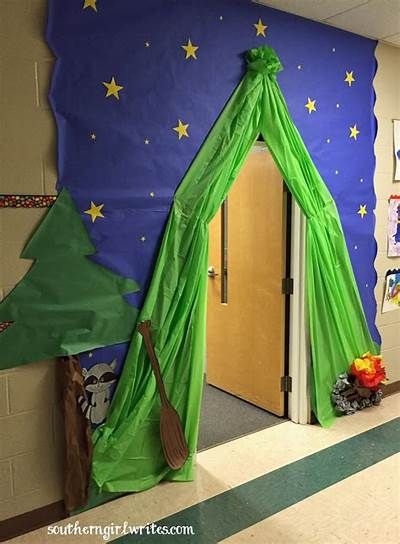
x,y
288,484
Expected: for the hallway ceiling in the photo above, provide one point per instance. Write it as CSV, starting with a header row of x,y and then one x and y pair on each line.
x,y
378,19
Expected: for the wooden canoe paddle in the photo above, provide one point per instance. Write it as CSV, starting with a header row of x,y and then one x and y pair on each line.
x,y
173,440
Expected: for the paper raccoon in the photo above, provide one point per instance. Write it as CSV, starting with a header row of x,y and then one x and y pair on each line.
x,y
97,382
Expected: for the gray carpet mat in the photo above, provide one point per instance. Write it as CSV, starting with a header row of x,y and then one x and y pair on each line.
x,y
225,417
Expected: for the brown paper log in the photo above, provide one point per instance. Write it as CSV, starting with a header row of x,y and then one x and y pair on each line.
x,y
78,440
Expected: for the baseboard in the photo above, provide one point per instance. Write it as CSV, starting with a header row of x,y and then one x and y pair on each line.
x,y
391,388
29,521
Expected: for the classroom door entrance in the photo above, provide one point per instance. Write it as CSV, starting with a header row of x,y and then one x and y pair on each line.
x,y
246,304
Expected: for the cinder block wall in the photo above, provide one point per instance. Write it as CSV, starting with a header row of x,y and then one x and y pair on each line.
x,y
387,108
30,422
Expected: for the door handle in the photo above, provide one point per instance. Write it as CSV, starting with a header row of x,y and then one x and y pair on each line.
x,y
224,252
211,272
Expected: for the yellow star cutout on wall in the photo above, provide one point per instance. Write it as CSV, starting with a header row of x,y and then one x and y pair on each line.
x,y
363,210
353,132
95,211
260,28
93,136
112,88
349,78
90,4
310,105
190,49
181,129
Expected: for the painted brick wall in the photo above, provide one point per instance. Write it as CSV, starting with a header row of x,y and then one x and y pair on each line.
x,y
387,108
30,422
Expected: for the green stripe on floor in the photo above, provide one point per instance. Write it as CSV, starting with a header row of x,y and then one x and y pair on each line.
x,y
232,511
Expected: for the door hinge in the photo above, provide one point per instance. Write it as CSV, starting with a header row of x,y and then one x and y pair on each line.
x,y
287,286
286,384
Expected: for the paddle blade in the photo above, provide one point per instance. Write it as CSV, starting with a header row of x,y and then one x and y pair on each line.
x,y
172,438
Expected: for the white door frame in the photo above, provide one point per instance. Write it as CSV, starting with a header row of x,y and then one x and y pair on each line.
x,y
299,355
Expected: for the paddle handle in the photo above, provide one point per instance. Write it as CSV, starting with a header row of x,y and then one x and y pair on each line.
x,y
144,328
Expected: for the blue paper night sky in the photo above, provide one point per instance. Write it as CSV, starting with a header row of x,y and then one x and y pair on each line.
x,y
123,153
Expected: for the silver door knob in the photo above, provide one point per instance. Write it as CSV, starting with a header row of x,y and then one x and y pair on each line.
x,y
211,272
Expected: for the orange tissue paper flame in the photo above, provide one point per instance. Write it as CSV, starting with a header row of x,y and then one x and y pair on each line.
x,y
369,371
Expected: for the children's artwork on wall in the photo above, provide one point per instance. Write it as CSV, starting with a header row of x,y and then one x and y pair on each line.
x,y
394,226
396,144
391,299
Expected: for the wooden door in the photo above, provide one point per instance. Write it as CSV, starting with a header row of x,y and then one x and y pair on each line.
x,y
246,307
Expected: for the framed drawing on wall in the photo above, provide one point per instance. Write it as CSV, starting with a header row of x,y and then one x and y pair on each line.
x,y
396,146
393,231
391,298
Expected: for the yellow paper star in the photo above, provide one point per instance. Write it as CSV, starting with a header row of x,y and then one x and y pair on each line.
x,y
353,132
349,78
363,210
95,211
93,136
90,4
260,27
190,49
310,105
181,129
112,88
143,238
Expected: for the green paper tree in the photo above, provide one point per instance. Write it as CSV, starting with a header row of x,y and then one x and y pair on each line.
x,y
66,303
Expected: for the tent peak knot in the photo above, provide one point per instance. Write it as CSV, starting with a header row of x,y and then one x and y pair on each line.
x,y
263,60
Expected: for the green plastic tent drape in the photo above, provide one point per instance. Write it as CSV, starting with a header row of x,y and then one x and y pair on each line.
x,y
127,453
